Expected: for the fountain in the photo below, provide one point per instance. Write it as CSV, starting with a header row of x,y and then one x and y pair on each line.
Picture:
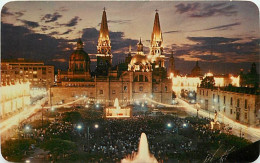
x,y
143,155
117,112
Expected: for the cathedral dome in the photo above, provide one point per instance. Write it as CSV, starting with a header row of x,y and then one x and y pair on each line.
x,y
139,63
79,54
139,59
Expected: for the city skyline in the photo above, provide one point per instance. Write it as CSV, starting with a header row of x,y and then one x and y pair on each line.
x,y
224,34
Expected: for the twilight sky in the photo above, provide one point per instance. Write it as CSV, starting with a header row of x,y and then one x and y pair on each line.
x,y
222,36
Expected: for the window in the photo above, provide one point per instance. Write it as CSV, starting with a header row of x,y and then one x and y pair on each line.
x,y
218,98
207,93
203,92
141,78
136,78
200,92
213,97
245,104
141,88
34,68
231,101
224,99
165,88
146,79
238,102
245,115
113,91
230,111
101,92
125,88
34,75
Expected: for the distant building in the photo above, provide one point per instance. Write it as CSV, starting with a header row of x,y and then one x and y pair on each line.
x,y
196,71
25,70
139,76
250,79
238,103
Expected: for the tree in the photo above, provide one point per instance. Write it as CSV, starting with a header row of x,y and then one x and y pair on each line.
x,y
58,147
72,117
14,150
208,82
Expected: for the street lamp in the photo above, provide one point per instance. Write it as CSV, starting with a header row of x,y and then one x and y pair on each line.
x,y
169,125
79,127
96,126
184,125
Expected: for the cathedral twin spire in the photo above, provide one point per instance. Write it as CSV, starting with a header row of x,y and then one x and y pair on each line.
x,y
156,38
103,46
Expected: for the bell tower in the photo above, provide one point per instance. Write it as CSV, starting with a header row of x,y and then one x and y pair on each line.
x,y
104,56
156,38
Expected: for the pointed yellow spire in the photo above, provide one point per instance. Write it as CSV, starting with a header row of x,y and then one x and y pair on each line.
x,y
103,46
157,33
103,27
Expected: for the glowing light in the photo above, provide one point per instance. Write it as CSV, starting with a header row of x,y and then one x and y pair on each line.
x,y
117,112
143,154
169,125
79,127
27,128
235,81
27,161
184,125
96,126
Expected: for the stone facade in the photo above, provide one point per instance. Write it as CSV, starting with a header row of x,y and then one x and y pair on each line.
x,y
129,88
243,107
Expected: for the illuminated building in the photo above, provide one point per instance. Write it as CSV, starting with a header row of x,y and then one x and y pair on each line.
x,y
117,112
238,103
24,70
14,97
141,74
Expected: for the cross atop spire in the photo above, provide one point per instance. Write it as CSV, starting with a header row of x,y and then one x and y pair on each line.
x,y
104,9
157,33
156,11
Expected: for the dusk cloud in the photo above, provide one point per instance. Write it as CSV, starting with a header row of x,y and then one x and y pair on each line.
x,y
21,42
51,17
223,27
74,21
5,11
197,10
117,22
67,32
30,24
171,32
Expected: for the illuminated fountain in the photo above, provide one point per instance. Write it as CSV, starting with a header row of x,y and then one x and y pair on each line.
x,y
117,112
143,155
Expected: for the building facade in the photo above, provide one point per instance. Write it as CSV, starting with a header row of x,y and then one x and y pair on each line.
x,y
238,103
141,75
24,70
13,98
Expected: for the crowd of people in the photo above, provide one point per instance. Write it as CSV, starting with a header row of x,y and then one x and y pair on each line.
x,y
170,137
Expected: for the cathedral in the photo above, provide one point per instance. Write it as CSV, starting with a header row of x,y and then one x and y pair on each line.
x,y
141,75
